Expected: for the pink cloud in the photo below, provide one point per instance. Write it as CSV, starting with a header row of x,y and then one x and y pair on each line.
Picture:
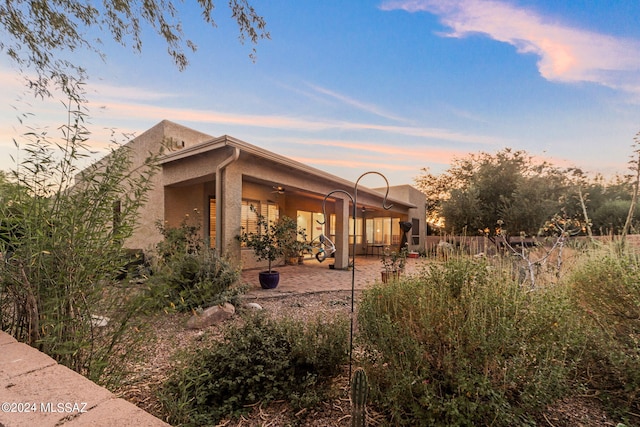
x,y
399,157
128,111
566,54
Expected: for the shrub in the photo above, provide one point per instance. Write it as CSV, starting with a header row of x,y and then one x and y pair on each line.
x,y
189,274
262,359
463,344
606,285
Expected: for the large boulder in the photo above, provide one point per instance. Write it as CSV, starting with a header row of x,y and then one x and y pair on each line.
x,y
211,316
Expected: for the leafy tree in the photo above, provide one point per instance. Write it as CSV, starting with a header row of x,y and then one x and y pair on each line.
x,y
607,203
478,191
609,217
36,34
634,166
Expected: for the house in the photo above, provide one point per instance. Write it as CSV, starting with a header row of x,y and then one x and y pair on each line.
x,y
215,180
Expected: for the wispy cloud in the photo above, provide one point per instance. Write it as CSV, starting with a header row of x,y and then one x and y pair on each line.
x,y
358,156
110,91
386,153
369,108
282,122
323,95
360,164
566,54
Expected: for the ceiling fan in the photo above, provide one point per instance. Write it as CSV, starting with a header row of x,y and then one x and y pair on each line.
x,y
278,189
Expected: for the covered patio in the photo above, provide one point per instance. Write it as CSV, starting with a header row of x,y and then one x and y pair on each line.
x,y
221,179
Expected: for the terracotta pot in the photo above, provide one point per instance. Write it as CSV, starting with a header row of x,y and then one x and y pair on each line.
x,y
389,276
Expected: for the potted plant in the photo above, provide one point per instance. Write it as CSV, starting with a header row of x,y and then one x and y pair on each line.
x,y
299,247
269,244
393,263
292,240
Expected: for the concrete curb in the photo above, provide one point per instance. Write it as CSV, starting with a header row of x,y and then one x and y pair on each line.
x,y
36,391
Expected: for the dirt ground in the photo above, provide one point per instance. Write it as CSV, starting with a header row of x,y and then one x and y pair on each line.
x,y
171,336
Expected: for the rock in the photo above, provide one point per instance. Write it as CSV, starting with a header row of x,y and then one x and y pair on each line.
x,y
253,306
99,321
211,316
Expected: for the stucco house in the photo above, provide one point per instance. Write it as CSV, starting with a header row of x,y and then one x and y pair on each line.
x,y
215,180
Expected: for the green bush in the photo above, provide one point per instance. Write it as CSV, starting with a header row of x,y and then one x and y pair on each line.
x,y
606,286
463,344
260,360
188,274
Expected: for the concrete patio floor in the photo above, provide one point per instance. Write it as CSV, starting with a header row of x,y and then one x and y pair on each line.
x,y
313,276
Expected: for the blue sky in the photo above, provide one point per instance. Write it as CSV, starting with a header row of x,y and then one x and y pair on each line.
x,y
392,86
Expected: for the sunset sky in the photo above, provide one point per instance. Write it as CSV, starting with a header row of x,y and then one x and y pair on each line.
x,y
392,86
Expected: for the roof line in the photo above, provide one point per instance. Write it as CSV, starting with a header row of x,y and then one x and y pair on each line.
x,y
227,140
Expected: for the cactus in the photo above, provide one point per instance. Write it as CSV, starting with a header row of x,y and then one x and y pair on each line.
x,y
359,391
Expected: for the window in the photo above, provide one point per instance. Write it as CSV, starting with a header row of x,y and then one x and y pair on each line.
x,y
415,231
358,231
249,217
383,231
117,217
212,222
395,231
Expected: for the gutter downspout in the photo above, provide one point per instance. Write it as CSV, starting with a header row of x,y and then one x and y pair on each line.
x,y
226,162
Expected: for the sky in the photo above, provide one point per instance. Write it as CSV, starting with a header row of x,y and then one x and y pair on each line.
x,y
392,86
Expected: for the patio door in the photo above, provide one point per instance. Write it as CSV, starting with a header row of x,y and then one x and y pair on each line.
x,y
308,221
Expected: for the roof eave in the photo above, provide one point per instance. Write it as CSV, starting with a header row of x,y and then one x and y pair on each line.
x,y
226,140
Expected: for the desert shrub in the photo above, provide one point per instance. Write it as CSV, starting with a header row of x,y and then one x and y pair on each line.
x,y
606,285
188,274
463,344
260,359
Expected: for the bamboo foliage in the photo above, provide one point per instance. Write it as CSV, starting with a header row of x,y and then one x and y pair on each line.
x,y
64,247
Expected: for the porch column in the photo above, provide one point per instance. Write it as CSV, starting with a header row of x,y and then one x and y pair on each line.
x,y
342,234
230,223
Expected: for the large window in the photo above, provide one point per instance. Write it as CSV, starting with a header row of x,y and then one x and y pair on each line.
x,y
383,231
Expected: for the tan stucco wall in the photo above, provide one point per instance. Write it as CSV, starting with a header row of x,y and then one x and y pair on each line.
x,y
151,141
183,204
418,199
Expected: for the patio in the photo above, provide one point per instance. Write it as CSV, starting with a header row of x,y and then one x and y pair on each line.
x,y
313,276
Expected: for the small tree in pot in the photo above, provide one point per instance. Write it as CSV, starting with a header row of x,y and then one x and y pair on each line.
x,y
293,239
393,263
269,243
